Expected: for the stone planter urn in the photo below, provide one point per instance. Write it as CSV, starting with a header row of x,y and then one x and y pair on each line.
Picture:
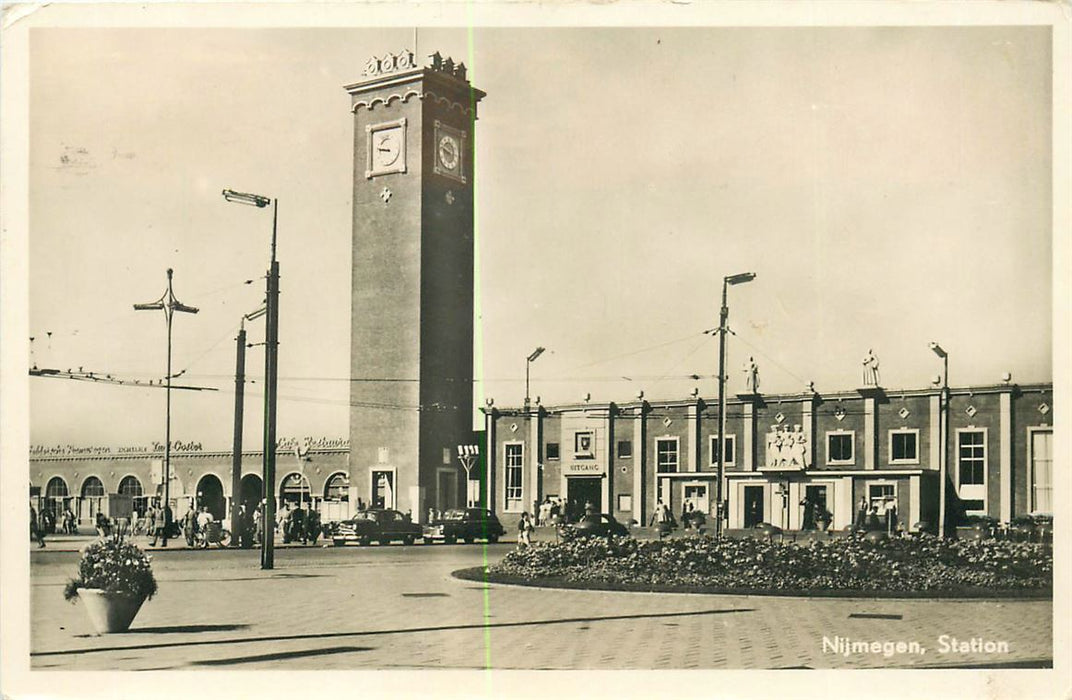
x,y
110,612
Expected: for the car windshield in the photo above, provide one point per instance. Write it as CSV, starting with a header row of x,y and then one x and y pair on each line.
x,y
365,516
454,515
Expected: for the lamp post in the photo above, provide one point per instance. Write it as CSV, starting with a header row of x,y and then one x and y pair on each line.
x,y
943,431
528,361
271,367
169,304
724,314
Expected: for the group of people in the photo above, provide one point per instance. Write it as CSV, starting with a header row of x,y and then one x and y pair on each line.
x,y
880,514
816,516
299,524
550,512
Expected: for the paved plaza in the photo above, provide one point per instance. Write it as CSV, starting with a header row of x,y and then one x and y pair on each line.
x,y
397,607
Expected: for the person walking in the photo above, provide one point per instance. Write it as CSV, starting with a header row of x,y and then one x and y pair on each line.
x,y
189,525
164,520
35,530
861,514
524,531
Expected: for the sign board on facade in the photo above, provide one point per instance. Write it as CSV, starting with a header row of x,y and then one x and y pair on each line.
x,y
583,469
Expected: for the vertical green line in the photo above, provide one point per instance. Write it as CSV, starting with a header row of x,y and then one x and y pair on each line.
x,y
478,335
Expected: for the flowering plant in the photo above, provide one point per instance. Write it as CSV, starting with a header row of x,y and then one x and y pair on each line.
x,y
901,564
115,566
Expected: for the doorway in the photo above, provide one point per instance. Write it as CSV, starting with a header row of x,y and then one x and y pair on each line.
x,y
252,491
446,489
696,494
815,494
383,489
210,495
581,491
753,505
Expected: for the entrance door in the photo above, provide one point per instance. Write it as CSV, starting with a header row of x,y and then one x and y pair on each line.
x,y
753,505
210,495
696,494
252,492
815,495
383,489
446,490
581,491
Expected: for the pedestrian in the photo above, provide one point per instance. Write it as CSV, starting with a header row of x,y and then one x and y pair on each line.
x,y
661,519
68,522
35,529
524,531
891,515
48,521
101,525
162,528
872,519
861,514
809,514
258,523
312,526
189,525
555,511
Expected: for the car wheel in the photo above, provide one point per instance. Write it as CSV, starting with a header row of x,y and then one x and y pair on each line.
x,y
338,543
492,539
469,539
384,541
408,539
365,541
449,540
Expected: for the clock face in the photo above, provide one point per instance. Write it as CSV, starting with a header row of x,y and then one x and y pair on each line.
x,y
387,147
448,152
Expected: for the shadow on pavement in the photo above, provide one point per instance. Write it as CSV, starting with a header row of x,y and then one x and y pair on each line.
x,y
180,629
280,656
410,630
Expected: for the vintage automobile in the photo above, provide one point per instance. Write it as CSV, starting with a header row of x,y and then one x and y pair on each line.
x,y
597,525
467,524
381,525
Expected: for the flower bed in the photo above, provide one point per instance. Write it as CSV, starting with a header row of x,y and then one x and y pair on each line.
x,y
908,565
115,566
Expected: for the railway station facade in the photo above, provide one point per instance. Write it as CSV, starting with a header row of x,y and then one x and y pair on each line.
x,y
833,449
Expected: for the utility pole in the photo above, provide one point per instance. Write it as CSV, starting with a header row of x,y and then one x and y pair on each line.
x,y
236,461
169,304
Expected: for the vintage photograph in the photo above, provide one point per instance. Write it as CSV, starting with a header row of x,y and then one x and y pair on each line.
x,y
529,346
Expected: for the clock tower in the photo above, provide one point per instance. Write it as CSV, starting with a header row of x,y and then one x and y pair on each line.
x,y
411,316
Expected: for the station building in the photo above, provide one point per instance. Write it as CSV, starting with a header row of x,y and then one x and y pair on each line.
x,y
834,449
118,480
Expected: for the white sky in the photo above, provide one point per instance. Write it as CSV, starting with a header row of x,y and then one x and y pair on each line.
x,y
888,186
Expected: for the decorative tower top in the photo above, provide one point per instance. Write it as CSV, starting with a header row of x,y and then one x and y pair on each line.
x,y
406,60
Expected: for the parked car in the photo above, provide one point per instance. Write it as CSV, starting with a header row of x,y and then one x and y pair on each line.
x,y
597,525
381,525
466,524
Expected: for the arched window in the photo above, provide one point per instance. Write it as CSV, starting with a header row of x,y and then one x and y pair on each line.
x,y
130,486
57,488
295,487
92,486
337,488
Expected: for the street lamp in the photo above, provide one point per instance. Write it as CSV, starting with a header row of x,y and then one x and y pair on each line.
x,y
720,462
169,304
271,374
528,361
943,430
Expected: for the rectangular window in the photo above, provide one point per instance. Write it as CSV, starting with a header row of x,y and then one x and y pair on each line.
x,y
839,448
584,445
515,460
904,447
552,450
1041,471
971,455
625,450
666,455
729,450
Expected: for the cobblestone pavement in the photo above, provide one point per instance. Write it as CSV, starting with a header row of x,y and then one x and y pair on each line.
x,y
398,607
